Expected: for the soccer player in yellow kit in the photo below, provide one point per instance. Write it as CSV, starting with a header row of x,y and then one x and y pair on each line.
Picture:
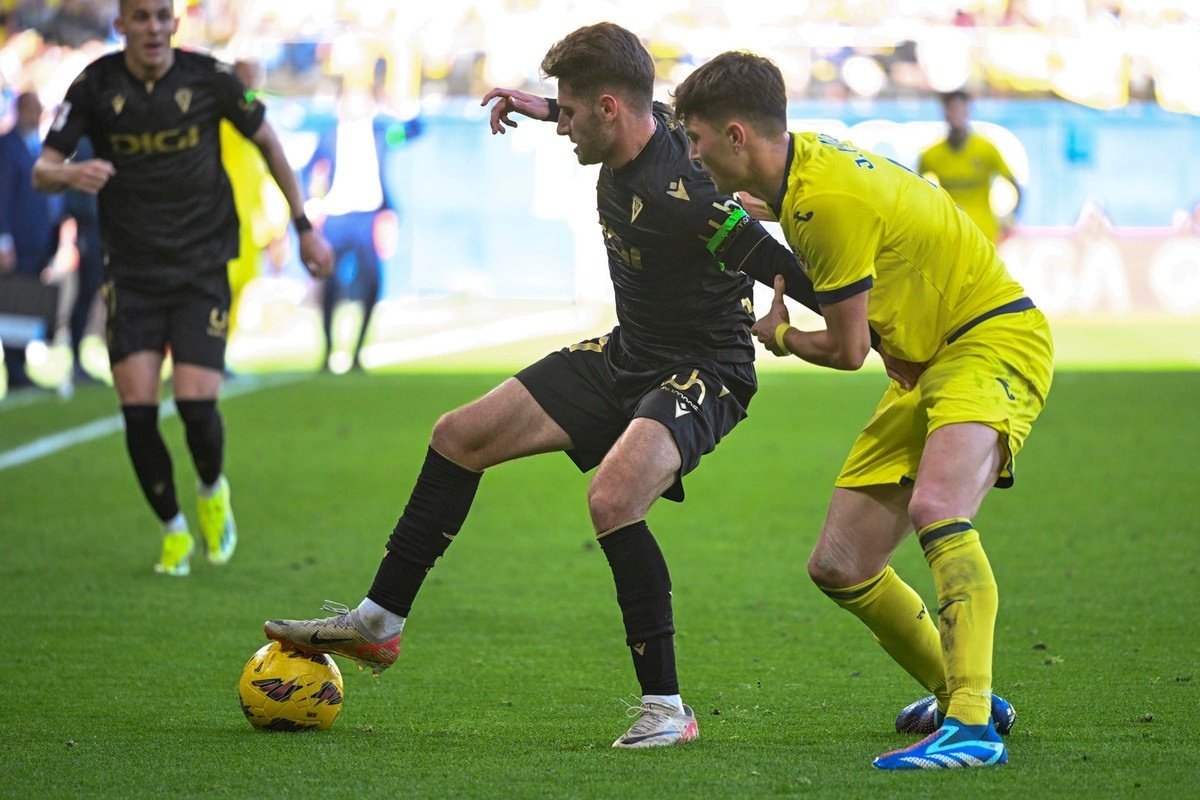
x,y
966,164
888,250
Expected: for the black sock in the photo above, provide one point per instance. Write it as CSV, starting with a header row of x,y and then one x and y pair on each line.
x,y
644,594
151,461
435,512
205,437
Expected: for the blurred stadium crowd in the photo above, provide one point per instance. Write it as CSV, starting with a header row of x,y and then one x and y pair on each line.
x,y
877,60
1096,52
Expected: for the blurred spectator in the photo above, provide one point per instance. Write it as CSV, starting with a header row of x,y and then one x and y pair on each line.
x,y
966,164
75,23
28,219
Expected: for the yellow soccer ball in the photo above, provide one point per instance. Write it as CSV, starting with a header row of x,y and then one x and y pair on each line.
x,y
283,690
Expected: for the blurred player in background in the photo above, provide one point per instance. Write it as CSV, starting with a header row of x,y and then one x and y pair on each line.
x,y
966,164
261,208
885,248
84,210
28,221
347,186
169,228
642,403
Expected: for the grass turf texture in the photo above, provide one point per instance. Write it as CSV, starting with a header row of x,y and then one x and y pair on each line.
x,y
121,683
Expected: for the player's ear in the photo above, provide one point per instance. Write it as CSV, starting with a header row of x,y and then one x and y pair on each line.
x,y
608,107
736,133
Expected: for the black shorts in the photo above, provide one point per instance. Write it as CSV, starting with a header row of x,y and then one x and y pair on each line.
x,y
193,321
594,399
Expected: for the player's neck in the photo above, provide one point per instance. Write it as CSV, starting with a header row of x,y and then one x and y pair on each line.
x,y
630,142
957,137
769,167
149,73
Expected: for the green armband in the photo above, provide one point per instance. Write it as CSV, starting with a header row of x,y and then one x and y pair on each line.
x,y
718,239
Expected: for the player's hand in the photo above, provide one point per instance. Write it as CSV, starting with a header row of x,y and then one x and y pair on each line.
x,y
905,373
764,329
316,254
756,208
510,100
91,175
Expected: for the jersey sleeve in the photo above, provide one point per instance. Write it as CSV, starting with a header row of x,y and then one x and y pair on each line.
x,y
840,240
237,105
73,117
999,165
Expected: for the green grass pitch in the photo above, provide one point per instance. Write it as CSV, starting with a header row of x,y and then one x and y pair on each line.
x,y
119,683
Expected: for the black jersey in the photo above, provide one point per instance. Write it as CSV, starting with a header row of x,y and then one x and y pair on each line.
x,y
663,220
167,216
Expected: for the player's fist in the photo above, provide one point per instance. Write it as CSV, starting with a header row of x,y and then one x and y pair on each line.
x,y
91,175
766,329
316,254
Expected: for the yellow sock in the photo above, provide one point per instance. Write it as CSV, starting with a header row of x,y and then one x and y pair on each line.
x,y
901,625
967,604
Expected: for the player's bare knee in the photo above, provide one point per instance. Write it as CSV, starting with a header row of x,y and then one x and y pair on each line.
x,y
455,438
609,507
927,507
825,572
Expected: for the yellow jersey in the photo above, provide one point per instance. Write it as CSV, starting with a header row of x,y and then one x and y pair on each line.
x,y
861,222
967,174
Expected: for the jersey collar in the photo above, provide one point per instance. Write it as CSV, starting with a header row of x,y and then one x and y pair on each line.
x,y
777,206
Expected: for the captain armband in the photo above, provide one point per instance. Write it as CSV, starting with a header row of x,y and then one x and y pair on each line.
x,y
727,233
552,115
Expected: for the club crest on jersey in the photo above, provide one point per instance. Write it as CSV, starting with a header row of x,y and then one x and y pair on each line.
x,y
677,190
637,208
183,99
118,104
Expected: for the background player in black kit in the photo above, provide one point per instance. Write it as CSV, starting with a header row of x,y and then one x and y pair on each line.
x,y
642,403
169,228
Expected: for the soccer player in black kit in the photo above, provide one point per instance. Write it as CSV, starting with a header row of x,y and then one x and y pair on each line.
x,y
641,403
169,227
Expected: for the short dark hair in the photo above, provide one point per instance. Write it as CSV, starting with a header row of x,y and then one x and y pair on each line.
x,y
957,94
603,56
736,83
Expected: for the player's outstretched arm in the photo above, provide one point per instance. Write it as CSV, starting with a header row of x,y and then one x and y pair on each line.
x,y
315,252
52,173
514,100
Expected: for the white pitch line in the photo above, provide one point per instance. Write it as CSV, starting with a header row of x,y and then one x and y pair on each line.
x,y
48,445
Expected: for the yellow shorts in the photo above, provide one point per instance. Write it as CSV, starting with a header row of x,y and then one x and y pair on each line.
x,y
998,374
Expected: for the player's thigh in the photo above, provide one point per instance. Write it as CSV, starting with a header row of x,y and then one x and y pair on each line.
x,y
199,328
136,331
194,382
698,404
887,452
960,464
642,464
998,375
504,424
862,529
577,387
137,378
